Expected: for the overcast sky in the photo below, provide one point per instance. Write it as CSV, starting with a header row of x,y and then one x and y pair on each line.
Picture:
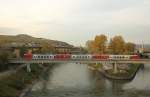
x,y
76,21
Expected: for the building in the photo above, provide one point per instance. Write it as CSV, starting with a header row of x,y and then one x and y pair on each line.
x,y
63,48
19,48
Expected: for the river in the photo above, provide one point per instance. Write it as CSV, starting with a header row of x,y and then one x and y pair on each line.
x,y
76,80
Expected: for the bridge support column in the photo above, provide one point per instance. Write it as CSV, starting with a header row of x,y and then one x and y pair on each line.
x,y
115,68
28,68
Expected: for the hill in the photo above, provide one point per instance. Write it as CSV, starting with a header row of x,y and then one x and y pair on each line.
x,y
26,39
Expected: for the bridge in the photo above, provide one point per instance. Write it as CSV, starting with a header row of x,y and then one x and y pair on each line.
x,y
114,62
142,61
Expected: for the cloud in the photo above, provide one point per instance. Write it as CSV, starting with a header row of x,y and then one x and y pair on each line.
x,y
76,21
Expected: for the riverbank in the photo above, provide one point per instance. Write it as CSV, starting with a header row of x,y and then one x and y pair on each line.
x,y
17,84
127,75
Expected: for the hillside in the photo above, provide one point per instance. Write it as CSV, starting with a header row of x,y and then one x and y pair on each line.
x,y
23,38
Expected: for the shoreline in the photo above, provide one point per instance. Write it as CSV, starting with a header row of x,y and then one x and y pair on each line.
x,y
28,88
113,77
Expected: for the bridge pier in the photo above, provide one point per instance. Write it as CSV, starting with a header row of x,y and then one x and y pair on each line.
x,y
28,67
115,68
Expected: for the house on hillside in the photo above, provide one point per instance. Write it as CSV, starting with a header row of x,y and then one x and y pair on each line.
x,y
19,48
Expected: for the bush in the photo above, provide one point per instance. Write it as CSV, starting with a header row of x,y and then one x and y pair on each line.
x,y
11,86
3,61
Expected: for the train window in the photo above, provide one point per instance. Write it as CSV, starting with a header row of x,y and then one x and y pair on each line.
x,y
34,57
47,57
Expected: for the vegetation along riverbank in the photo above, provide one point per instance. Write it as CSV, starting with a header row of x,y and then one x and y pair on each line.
x,y
15,84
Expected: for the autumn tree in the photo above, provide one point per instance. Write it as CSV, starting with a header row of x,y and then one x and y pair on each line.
x,y
117,45
90,46
129,47
100,43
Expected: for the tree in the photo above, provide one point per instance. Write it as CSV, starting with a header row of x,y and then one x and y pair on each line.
x,y
3,60
83,50
100,43
129,47
117,45
47,48
90,46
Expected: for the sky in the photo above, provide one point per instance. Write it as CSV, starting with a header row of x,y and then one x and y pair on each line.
x,y
76,21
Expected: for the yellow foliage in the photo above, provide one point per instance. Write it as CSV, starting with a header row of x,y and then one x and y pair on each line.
x,y
117,45
98,45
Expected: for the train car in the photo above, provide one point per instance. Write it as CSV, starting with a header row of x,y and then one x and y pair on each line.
x,y
100,57
27,56
134,57
119,57
81,57
62,56
43,56
123,57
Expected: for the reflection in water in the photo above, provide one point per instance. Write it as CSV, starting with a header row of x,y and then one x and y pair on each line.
x,y
76,80
141,81
69,75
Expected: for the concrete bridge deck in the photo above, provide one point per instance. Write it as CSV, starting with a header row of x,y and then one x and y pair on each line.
x,y
142,61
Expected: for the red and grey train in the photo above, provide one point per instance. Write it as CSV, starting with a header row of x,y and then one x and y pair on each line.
x,y
29,56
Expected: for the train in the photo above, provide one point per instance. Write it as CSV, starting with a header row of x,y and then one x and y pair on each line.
x,y
29,56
